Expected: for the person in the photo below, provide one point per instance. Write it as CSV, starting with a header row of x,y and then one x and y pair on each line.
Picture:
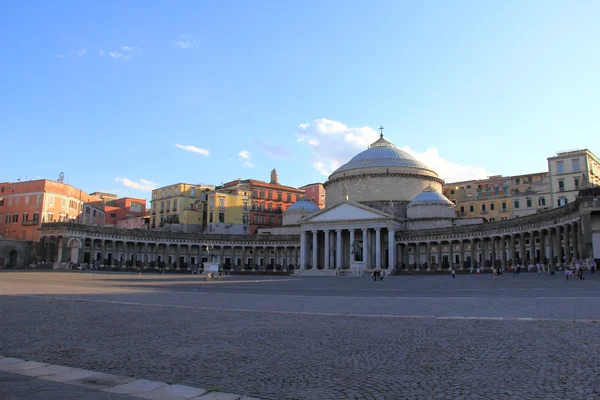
x,y
478,271
381,275
220,275
453,273
139,271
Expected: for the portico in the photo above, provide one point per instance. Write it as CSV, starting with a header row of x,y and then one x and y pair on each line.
x,y
348,235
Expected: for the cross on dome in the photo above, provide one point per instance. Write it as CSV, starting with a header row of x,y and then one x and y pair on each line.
x,y
429,188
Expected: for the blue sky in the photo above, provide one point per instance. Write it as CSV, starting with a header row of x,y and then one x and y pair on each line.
x,y
105,91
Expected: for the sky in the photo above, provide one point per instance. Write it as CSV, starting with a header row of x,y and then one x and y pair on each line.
x,y
126,96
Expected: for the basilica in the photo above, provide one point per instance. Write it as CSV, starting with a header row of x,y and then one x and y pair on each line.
x,y
384,210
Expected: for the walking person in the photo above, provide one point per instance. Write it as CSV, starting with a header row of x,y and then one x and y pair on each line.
x,y
453,273
139,271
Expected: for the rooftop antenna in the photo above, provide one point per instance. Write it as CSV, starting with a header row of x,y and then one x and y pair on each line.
x,y
61,177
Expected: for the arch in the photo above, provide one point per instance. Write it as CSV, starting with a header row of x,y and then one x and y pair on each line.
x,y
71,243
74,244
12,259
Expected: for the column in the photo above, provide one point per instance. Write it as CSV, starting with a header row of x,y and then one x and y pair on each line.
x,y
417,259
378,248
580,244
221,255
338,249
365,248
60,250
303,246
439,255
391,249
522,251
493,251
513,254
254,257
542,246
451,255
462,254
428,255
533,254
484,253
558,246
473,246
567,243
326,255
575,241
315,254
92,251
352,257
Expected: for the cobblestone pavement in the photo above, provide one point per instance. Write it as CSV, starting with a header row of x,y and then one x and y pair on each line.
x,y
423,337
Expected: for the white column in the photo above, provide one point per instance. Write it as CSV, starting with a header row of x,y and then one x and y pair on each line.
x,y
315,254
338,245
365,248
377,247
391,249
303,245
326,255
351,242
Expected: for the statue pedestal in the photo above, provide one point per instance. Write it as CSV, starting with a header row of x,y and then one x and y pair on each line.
x,y
358,266
211,267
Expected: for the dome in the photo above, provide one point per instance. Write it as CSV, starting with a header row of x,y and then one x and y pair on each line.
x,y
430,197
382,153
303,205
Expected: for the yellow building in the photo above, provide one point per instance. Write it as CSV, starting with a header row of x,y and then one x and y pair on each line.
x,y
228,210
570,172
179,207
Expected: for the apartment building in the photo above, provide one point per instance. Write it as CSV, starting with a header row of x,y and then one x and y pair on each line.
x,y
229,209
315,192
571,171
180,207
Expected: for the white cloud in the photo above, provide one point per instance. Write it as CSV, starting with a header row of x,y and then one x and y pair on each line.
x,y
115,54
143,184
334,144
186,42
194,149
101,53
126,48
82,52
244,155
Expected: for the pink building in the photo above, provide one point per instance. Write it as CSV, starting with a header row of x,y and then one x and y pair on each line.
x,y
134,223
315,192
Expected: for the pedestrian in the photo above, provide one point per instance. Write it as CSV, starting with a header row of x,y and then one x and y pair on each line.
x,y
139,271
375,275
453,273
381,275
478,271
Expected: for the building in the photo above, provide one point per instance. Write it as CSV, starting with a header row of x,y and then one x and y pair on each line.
x,y
229,209
500,197
315,192
104,196
123,208
268,201
139,223
93,215
570,172
25,205
180,207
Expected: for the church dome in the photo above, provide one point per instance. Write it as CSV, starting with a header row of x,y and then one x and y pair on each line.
x,y
382,153
430,197
303,206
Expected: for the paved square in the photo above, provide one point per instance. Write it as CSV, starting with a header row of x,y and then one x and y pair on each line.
x,y
526,337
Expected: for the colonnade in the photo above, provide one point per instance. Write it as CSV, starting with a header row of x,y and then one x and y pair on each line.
x,y
344,247
554,245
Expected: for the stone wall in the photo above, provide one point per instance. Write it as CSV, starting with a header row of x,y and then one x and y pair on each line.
x,y
16,253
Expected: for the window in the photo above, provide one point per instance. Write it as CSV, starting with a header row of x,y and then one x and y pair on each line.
x,y
462,209
483,208
51,201
562,201
168,206
154,195
36,216
518,181
26,199
174,205
270,195
279,196
193,192
289,197
271,221
162,206
221,202
452,191
7,219
503,206
492,206
163,193
176,191
222,217
471,208
245,220
576,180
575,165
256,219
270,207
255,193
492,219
113,215
541,201
468,186
15,218
528,202
168,192
25,217
210,217
245,205
561,185
517,204
560,168
261,194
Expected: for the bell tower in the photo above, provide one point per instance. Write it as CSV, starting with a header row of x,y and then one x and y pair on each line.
x,y
274,177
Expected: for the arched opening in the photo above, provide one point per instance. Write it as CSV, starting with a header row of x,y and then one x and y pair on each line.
x,y
12,259
74,246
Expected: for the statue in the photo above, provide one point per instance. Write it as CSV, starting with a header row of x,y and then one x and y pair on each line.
x,y
210,252
346,192
274,177
356,250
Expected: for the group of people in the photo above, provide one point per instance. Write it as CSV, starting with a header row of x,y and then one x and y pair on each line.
x,y
378,275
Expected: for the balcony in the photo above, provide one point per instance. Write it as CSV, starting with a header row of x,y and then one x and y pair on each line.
x,y
460,213
30,223
483,212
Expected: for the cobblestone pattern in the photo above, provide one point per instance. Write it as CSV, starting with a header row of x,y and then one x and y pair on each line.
x,y
300,356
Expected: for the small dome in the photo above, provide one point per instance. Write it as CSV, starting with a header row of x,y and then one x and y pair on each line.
x,y
382,153
430,197
303,206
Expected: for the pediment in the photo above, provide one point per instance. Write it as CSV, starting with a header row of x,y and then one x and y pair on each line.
x,y
347,211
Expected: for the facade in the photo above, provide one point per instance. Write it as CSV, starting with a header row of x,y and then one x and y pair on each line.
x,y
16,253
315,192
139,223
268,201
228,209
25,205
105,196
93,215
570,172
500,197
122,209
179,207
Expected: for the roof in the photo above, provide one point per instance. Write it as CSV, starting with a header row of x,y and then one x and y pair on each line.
x,y
382,153
303,205
264,184
430,197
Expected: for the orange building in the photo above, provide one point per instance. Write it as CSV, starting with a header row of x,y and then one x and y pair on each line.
x,y
24,205
121,209
269,201
315,192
